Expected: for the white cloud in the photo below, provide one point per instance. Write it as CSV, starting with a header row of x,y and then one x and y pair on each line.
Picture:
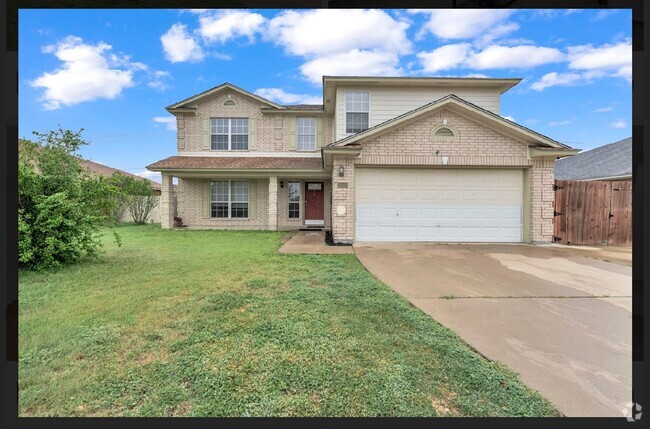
x,y
510,118
324,32
557,79
151,175
618,124
604,109
179,46
169,121
278,95
445,57
586,57
496,56
229,24
532,121
87,73
353,63
465,23
496,33
492,57
588,63
558,123
220,56
157,80
624,72
604,13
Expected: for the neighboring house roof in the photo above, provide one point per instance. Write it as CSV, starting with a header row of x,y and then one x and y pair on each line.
x,y
448,100
107,171
231,162
613,160
226,85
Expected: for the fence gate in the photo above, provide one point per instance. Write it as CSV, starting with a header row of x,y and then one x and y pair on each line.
x,y
593,212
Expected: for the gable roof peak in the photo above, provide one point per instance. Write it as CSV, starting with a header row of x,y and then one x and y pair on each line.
x,y
218,88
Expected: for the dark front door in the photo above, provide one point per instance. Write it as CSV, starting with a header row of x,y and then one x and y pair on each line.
x,y
314,203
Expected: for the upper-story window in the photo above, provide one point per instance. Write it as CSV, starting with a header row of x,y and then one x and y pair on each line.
x,y
306,135
357,111
229,133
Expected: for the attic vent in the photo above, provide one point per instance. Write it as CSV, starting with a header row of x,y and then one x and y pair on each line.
x,y
444,132
229,103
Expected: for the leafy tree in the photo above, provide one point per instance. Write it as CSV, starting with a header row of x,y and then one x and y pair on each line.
x,y
58,201
137,195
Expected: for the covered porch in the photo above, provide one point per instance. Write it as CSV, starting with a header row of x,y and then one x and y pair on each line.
x,y
226,199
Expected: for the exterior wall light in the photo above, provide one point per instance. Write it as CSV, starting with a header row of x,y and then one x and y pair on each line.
x,y
341,171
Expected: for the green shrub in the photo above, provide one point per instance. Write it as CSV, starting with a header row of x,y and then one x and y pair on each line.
x,y
58,203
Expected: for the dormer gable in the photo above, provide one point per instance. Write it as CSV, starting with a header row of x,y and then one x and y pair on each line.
x,y
189,104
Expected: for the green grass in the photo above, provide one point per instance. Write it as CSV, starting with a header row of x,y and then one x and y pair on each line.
x,y
217,323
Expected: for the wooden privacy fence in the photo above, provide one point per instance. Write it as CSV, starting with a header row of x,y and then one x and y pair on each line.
x,y
593,212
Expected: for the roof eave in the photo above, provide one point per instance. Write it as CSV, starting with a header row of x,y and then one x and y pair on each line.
x,y
559,152
235,170
201,95
453,100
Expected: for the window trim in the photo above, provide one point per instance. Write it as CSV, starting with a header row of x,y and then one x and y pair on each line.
x,y
230,134
345,109
248,202
289,202
315,134
451,128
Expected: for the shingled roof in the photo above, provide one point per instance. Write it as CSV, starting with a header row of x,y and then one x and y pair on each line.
x,y
107,171
610,161
303,106
235,162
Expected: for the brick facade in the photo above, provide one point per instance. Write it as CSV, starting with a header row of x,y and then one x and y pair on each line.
x,y
474,145
413,144
343,200
272,129
284,222
167,202
190,206
542,200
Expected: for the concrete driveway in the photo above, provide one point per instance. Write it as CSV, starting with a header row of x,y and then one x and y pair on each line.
x,y
559,316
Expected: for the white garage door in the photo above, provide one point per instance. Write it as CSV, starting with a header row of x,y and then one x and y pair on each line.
x,y
449,205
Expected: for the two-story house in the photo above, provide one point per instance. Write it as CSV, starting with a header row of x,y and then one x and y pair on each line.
x,y
382,159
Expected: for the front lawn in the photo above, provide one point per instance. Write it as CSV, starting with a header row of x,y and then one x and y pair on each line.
x,y
217,323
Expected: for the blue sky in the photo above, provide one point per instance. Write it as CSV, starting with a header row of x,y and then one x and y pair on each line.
x,y
112,72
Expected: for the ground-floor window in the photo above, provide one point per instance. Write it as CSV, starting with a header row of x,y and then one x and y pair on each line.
x,y
294,200
229,199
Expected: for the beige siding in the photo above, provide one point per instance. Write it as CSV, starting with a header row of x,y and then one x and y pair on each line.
x,y
387,103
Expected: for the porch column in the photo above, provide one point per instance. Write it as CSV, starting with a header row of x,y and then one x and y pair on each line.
x,y
343,200
273,203
167,202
